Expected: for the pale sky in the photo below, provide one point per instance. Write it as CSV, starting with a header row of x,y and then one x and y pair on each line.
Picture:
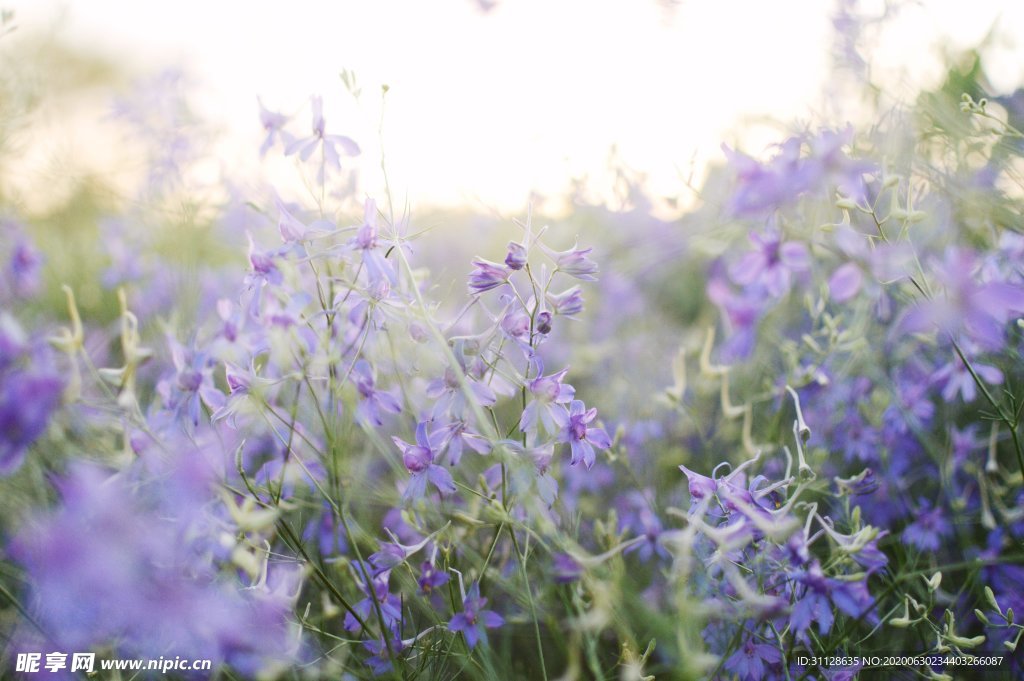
x,y
485,107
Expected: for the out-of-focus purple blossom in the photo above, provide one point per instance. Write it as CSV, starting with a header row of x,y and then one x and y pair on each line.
x,y
191,385
331,146
955,378
819,593
565,568
23,268
980,309
581,437
28,397
574,262
929,528
372,402
104,562
772,265
741,312
487,275
474,620
790,174
752,661
273,123
419,461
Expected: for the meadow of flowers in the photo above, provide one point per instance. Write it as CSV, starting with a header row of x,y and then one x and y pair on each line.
x,y
299,434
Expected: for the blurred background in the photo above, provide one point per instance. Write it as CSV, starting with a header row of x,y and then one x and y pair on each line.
x,y
490,103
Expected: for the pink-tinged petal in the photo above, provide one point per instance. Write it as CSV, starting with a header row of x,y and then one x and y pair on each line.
x,y
589,415
599,438
845,282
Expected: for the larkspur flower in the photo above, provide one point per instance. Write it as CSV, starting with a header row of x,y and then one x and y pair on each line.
x,y
474,620
488,275
574,262
981,309
772,265
752,660
273,123
567,303
331,146
516,257
929,528
545,392
419,461
373,403
581,437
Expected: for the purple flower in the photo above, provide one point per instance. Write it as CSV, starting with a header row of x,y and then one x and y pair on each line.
x,y
751,660
581,438
928,530
473,621
272,123
574,262
191,385
27,399
367,243
980,309
114,553
419,461
458,435
955,378
487,275
565,568
772,264
516,257
372,401
431,578
449,397
789,174
566,303
546,391
23,268
331,146
701,487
